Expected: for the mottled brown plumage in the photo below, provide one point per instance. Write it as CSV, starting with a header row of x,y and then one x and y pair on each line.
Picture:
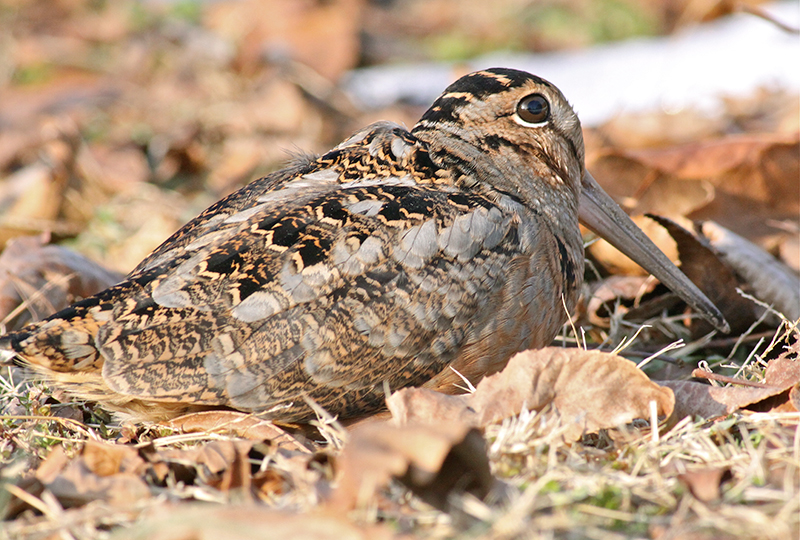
x,y
384,262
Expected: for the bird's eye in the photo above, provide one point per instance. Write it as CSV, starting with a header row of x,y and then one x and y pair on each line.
x,y
533,109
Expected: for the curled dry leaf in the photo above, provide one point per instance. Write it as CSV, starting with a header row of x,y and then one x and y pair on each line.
x,y
591,390
703,265
771,280
37,279
204,522
784,371
606,293
433,460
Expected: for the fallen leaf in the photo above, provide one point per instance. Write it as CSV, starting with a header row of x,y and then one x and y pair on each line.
x,y
706,401
324,36
237,423
754,181
705,484
704,266
642,188
111,169
52,466
433,460
591,390
782,377
770,279
30,199
107,472
606,294
221,464
110,459
37,279
784,371
618,263
794,397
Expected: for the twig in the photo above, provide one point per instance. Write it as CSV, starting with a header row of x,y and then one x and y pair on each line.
x,y
703,374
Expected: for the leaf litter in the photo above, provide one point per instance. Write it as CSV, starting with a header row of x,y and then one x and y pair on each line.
x,y
131,119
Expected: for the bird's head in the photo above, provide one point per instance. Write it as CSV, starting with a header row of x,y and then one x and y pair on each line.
x,y
507,132
524,126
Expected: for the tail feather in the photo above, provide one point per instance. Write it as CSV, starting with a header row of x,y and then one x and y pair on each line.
x,y
8,356
56,344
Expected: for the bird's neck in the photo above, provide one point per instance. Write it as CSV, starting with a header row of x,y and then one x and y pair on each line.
x,y
505,177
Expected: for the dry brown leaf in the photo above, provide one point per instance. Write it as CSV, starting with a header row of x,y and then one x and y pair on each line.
x,y
45,278
642,188
237,423
108,472
605,294
230,522
618,263
590,389
776,393
771,280
703,265
794,397
30,199
706,401
432,460
220,464
110,459
424,405
754,179
324,36
784,371
699,400
52,466
705,484
111,169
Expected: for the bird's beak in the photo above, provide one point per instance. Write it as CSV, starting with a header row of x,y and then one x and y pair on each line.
x,y
601,214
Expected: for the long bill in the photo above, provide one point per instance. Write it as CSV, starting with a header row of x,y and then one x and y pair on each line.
x,y
601,214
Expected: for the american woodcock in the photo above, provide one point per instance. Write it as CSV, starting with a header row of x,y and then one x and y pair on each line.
x,y
383,263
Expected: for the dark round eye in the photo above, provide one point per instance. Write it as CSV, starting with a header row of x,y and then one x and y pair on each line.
x,y
534,109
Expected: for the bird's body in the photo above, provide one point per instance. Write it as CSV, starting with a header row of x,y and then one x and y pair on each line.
x,y
382,263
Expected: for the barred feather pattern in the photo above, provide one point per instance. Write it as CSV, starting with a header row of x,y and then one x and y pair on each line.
x,y
380,264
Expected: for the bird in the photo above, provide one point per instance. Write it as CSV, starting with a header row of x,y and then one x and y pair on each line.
x,y
398,258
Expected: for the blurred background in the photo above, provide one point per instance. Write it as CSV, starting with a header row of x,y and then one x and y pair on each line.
x,y
121,120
